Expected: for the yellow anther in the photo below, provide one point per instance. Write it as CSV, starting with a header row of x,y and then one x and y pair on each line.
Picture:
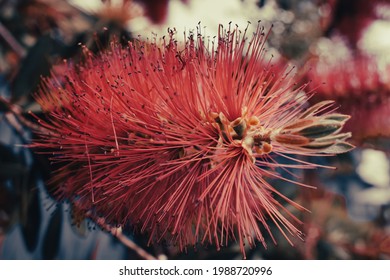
x,y
253,121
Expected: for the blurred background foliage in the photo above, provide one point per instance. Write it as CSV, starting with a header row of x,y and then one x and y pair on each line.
x,y
340,46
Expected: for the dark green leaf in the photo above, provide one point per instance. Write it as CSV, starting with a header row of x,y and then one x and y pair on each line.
x,y
31,223
8,208
35,65
11,170
319,145
319,130
51,241
338,117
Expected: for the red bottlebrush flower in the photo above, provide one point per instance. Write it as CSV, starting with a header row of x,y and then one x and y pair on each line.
x,y
178,140
362,89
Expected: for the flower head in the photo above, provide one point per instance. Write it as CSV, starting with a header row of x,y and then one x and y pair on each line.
x,y
360,85
179,140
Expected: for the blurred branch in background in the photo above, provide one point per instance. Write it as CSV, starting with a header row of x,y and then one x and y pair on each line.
x,y
11,41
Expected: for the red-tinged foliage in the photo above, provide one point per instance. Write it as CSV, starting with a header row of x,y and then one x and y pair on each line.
x,y
350,18
156,10
179,140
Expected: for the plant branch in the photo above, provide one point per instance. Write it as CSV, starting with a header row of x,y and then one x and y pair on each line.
x,y
117,232
14,112
11,41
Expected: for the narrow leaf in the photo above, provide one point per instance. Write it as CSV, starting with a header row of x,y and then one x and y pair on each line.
x,y
339,148
291,139
315,108
299,124
339,137
338,117
35,64
320,130
319,145
51,241
31,223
